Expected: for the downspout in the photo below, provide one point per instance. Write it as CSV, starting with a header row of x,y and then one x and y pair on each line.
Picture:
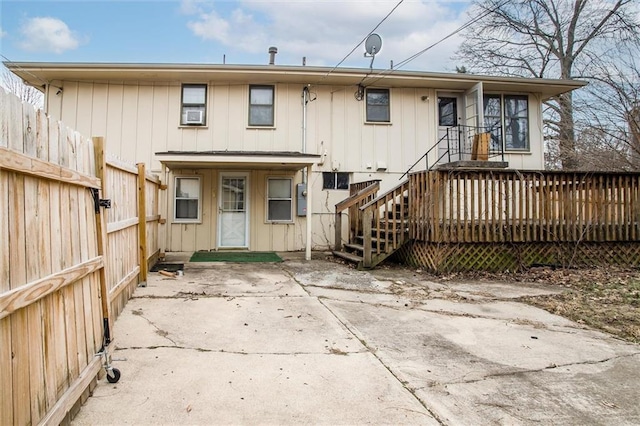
x,y
305,101
306,171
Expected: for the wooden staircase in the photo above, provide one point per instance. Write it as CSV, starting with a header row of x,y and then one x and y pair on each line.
x,y
378,225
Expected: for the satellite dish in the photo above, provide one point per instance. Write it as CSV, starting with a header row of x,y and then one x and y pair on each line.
x,y
373,44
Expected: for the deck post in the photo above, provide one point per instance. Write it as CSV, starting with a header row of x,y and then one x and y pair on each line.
x,y
338,232
366,229
307,255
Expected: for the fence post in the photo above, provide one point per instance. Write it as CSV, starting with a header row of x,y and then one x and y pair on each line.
x,y
101,232
142,223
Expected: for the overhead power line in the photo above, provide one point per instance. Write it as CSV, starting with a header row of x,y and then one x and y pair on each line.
x,y
404,62
361,41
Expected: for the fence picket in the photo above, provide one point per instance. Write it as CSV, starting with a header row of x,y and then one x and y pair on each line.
x,y
48,343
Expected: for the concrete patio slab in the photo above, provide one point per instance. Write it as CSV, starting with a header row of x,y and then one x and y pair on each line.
x,y
320,343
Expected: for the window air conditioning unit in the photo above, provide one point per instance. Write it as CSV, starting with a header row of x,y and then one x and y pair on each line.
x,y
194,117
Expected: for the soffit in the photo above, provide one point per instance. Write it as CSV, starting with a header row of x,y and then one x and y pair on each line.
x,y
37,74
256,160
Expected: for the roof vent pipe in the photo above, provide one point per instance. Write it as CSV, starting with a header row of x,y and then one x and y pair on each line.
x,y
272,55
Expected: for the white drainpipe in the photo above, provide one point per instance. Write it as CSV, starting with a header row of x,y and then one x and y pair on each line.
x,y
305,101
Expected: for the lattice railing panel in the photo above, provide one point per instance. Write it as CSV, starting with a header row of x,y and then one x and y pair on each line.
x,y
512,257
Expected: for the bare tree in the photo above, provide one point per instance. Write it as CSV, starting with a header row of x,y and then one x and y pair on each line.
x,y
26,93
614,105
548,39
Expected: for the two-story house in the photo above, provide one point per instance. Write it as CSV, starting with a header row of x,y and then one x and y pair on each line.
x,y
250,153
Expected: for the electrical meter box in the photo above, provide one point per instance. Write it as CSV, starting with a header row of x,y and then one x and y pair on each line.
x,y
301,199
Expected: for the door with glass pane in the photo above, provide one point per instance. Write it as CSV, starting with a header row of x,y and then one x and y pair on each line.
x,y
448,131
233,211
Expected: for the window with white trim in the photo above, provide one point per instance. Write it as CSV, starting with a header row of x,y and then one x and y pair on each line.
x,y
507,118
335,180
187,199
194,105
279,200
261,106
378,105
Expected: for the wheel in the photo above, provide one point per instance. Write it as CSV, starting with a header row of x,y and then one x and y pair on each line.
x,y
113,376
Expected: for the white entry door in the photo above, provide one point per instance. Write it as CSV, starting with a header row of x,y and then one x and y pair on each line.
x,y
233,208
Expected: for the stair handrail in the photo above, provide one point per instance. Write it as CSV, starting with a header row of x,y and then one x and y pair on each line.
x,y
424,155
350,202
375,200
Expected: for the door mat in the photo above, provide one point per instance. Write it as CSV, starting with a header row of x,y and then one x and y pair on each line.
x,y
228,256
171,267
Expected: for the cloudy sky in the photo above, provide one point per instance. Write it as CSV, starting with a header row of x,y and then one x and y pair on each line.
x,y
206,31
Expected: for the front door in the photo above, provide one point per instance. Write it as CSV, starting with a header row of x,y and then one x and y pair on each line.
x,y
448,132
233,223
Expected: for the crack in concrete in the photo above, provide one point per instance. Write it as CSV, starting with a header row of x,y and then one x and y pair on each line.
x,y
352,290
539,370
420,306
222,351
196,296
159,331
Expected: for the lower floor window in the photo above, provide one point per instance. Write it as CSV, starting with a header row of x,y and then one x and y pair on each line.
x,y
335,180
187,199
279,200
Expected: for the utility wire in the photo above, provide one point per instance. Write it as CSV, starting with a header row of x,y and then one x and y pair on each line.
x,y
25,71
464,26
360,43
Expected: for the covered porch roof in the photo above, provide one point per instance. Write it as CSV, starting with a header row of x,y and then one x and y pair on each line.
x,y
255,160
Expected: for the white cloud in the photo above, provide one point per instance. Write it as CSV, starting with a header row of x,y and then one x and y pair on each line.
x,y
325,31
2,33
46,34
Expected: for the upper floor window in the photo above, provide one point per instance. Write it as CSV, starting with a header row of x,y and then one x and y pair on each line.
x,y
261,106
194,105
507,118
378,106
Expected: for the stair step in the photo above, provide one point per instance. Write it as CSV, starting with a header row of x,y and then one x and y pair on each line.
x,y
356,247
348,256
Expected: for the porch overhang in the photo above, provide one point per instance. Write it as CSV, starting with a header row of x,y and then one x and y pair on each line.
x,y
247,160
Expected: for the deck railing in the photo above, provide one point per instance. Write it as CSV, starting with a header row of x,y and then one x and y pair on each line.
x,y
524,206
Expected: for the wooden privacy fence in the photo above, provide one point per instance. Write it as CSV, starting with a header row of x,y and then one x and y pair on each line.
x,y
524,206
64,270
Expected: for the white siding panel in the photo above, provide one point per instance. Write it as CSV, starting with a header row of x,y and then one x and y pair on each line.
x,y
69,107
129,131
143,141
160,123
219,117
84,109
174,134
114,119
99,110
237,117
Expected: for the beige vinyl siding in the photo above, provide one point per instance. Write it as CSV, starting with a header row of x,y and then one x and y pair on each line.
x,y
193,236
139,119
263,236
